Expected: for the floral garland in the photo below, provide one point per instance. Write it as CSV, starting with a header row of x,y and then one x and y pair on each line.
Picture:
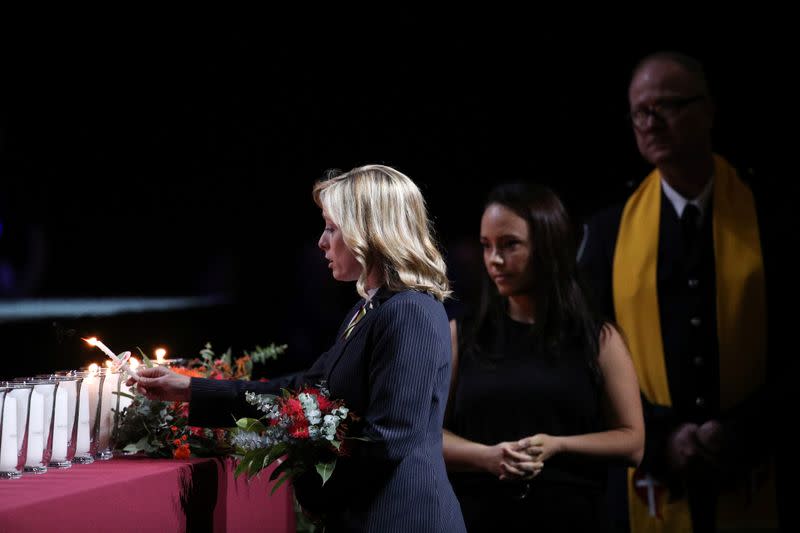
x,y
160,428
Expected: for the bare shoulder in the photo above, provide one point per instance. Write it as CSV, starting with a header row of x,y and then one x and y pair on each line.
x,y
612,345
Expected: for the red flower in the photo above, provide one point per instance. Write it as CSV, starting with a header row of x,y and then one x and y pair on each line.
x,y
180,408
299,431
196,431
293,409
182,452
184,438
177,442
325,405
174,428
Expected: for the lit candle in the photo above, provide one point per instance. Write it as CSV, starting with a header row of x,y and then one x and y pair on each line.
x,y
117,361
8,437
161,358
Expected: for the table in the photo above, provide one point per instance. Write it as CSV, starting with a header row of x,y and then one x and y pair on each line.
x,y
139,494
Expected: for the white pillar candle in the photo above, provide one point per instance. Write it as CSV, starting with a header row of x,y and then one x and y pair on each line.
x,y
92,383
84,425
36,433
8,437
61,433
108,402
69,384
23,396
48,391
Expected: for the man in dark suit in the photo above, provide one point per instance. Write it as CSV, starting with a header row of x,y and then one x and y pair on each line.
x,y
680,267
390,363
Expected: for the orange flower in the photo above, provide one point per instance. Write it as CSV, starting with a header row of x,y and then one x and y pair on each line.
x,y
183,438
177,442
182,452
174,428
187,372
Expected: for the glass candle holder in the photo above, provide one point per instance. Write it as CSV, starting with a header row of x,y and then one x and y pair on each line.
x,y
113,402
10,467
42,422
65,412
78,427
21,394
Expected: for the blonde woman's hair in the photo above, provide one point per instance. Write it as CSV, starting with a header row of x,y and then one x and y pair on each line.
x,y
384,222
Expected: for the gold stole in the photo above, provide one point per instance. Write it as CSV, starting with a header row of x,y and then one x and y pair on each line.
x,y
741,324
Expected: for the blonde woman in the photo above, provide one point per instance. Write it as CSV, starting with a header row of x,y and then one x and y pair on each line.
x,y
390,362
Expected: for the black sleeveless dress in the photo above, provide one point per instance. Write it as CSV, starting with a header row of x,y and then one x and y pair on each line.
x,y
510,390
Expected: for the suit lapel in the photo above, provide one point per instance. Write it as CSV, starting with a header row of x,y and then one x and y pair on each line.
x,y
339,348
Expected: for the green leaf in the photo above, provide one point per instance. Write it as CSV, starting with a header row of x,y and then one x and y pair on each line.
x,y
260,355
146,360
325,470
207,354
277,451
241,468
257,460
336,444
132,448
250,424
278,483
123,394
284,466
251,462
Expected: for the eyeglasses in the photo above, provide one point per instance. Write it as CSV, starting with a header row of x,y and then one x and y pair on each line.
x,y
661,111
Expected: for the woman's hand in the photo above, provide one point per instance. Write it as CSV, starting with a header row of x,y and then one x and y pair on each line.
x,y
541,446
159,383
508,461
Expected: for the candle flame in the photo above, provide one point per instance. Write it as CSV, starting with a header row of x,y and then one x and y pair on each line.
x,y
92,341
109,362
133,363
160,354
93,368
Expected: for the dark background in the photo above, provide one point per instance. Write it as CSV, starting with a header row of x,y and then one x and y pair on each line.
x,y
177,163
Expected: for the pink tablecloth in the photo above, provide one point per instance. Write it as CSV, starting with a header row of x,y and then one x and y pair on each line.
x,y
138,494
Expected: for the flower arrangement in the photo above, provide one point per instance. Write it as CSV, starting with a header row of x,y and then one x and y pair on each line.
x,y
301,430
160,428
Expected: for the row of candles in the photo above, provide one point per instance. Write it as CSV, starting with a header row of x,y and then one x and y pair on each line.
x,y
64,418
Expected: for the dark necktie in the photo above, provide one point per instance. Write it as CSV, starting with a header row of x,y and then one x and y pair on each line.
x,y
690,221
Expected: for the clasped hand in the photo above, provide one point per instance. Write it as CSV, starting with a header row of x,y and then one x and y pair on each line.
x,y
522,459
